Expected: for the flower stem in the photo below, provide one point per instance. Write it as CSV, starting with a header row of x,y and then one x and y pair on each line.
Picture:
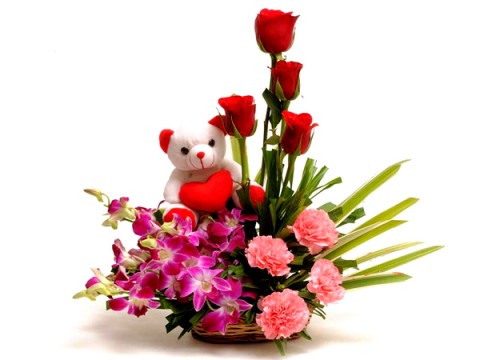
x,y
289,174
235,149
261,176
242,143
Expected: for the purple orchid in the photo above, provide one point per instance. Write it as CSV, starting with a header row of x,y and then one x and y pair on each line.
x,y
128,259
119,210
230,307
201,282
169,253
98,285
145,222
140,296
235,217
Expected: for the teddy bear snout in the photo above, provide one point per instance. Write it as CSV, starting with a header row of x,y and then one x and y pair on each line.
x,y
202,157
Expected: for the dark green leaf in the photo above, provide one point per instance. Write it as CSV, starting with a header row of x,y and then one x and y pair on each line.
x,y
158,216
275,107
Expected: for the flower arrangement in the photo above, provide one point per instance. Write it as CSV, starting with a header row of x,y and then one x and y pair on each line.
x,y
234,250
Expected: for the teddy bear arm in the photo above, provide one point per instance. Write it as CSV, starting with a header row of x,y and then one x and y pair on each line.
x,y
172,188
234,168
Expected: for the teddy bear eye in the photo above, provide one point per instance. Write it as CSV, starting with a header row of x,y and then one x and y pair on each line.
x,y
184,150
211,143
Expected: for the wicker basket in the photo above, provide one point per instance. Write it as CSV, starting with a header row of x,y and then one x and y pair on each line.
x,y
236,333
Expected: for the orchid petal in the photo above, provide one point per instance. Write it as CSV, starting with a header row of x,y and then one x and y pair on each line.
x,y
198,300
221,284
216,321
118,304
243,305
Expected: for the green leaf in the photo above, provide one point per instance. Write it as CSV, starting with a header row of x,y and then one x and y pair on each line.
x,y
328,185
343,264
385,251
158,216
349,204
275,106
280,346
390,213
305,335
327,207
273,140
198,316
391,264
354,216
358,237
362,281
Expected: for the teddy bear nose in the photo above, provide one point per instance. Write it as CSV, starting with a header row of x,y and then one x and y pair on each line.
x,y
200,155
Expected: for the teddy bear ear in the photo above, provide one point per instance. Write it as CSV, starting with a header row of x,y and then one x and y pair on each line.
x,y
217,121
164,138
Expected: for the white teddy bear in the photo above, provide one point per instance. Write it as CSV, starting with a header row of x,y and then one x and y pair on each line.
x,y
203,179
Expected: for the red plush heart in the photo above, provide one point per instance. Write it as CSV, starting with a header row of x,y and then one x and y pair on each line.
x,y
210,196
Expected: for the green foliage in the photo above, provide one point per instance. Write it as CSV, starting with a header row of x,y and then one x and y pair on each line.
x,y
350,203
362,281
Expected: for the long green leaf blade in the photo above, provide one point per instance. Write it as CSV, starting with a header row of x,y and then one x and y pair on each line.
x,y
391,264
385,251
390,213
362,281
350,203
358,237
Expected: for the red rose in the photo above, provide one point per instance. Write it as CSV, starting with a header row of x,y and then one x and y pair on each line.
x,y
297,133
239,113
274,30
286,81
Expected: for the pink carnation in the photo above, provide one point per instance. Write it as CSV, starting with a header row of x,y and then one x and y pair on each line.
x,y
283,314
269,253
314,229
325,280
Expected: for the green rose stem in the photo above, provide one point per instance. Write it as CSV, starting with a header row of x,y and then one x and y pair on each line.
x,y
261,178
242,144
289,174
235,149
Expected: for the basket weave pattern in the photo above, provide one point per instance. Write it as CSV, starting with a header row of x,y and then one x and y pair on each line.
x,y
235,333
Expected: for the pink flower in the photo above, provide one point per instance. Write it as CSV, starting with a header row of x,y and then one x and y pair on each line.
x,y
269,253
314,229
325,280
230,307
119,210
201,282
140,298
145,222
283,314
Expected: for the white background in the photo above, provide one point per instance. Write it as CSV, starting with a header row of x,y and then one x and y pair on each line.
x,y
86,86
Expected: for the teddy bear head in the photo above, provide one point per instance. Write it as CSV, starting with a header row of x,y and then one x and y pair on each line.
x,y
194,148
